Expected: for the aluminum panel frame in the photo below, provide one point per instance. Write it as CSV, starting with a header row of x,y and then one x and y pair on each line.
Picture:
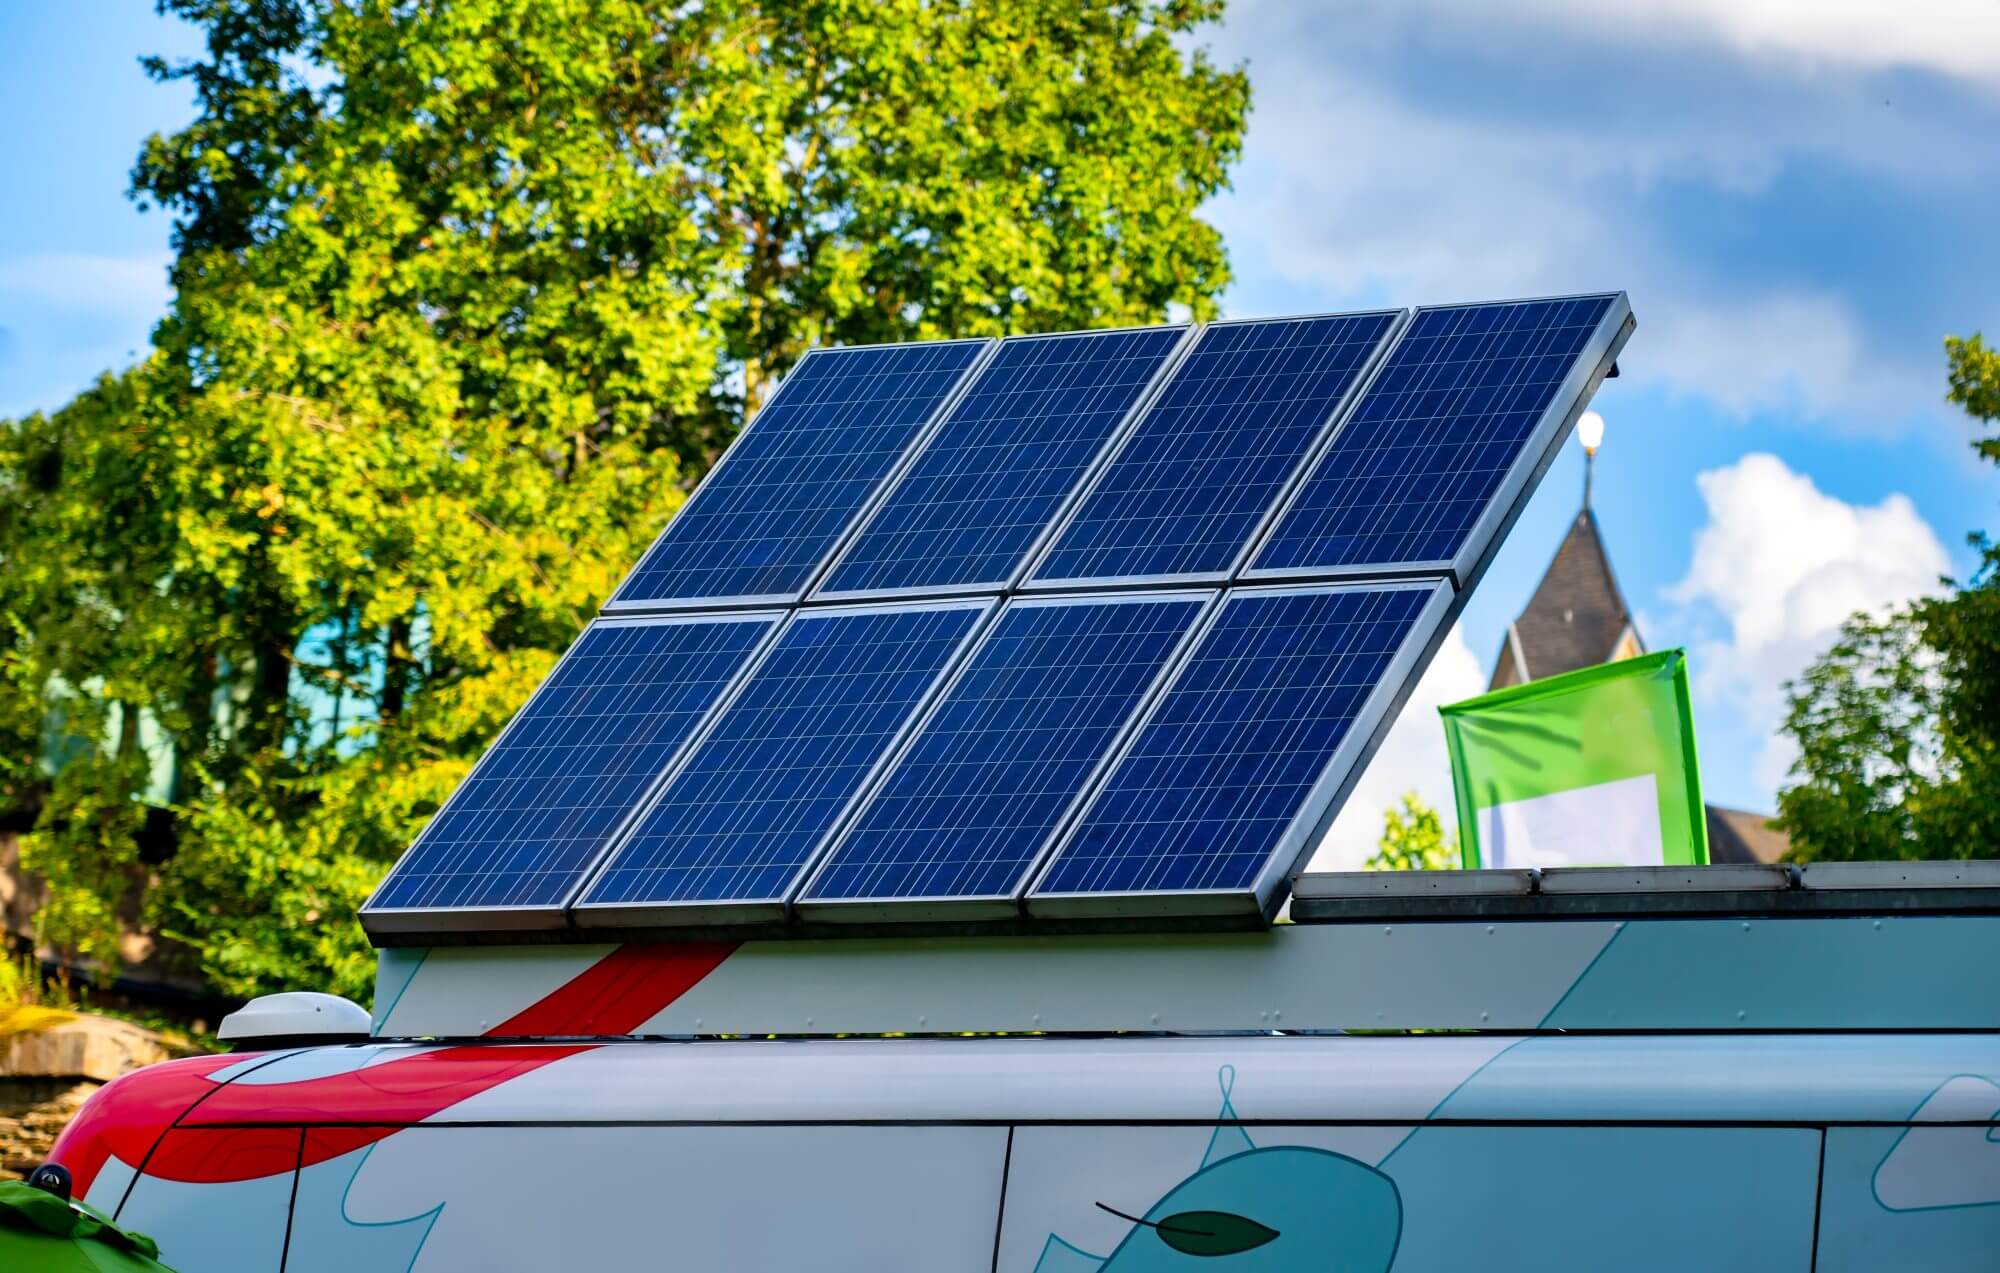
x,y
1322,439
612,916
409,921
1024,563
904,910
1314,815
918,440
1586,373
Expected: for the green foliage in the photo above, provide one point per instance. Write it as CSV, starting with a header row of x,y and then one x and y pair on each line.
x,y
1414,839
84,651
1975,385
23,986
32,999
1898,725
468,293
1871,759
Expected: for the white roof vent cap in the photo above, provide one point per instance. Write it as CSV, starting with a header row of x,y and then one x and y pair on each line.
x,y
297,1016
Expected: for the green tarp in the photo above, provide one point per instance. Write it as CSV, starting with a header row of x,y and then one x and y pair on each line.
x,y
40,1233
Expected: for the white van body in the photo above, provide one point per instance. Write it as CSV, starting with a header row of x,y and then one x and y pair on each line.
x,y
1766,1152
1547,1137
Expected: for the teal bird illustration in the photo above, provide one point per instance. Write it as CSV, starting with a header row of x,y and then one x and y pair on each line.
x,y
1271,1210
1285,1209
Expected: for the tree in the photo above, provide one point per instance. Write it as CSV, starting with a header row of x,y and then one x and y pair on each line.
x,y
1414,839
468,293
1898,724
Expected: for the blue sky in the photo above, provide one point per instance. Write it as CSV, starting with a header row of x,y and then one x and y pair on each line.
x,y
1797,194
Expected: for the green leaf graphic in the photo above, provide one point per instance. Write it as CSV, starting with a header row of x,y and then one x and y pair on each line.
x,y
1212,1232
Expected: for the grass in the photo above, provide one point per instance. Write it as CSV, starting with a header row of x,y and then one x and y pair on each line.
x,y
32,1000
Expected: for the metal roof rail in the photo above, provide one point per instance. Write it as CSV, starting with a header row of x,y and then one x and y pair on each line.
x,y
1823,888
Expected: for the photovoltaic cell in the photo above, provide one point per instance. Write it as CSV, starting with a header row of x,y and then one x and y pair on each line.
x,y
754,800
1408,476
1212,453
1219,772
969,805
531,819
1003,462
765,519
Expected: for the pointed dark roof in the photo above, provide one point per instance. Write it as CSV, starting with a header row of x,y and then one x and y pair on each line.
x,y
1576,617
1737,835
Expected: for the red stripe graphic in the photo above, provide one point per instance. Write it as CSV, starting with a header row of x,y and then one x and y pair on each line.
x,y
614,996
619,993
126,1116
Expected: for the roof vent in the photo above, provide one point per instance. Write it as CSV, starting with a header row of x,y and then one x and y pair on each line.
x,y
296,1018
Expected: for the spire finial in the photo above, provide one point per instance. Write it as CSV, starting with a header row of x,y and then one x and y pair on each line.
x,y
1590,432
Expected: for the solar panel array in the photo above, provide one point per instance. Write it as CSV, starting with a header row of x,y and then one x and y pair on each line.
x,y
1091,625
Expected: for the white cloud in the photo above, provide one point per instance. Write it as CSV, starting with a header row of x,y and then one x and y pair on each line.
x,y
1784,349
1359,186
1953,37
1411,758
73,283
1781,564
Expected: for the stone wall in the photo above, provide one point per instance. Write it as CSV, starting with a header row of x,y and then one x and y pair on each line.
x,y
33,1113
50,1063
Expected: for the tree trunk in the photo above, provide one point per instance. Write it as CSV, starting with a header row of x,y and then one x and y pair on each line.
x,y
396,669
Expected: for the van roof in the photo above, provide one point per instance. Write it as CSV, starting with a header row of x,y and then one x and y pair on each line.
x,y
1808,1079
1716,948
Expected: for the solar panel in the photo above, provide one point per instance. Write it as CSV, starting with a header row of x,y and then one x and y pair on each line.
x,y
1087,625
1228,779
530,820
1438,452
731,830
776,505
986,486
1202,467
967,807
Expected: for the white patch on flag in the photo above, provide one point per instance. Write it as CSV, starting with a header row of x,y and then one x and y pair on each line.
x,y
1609,824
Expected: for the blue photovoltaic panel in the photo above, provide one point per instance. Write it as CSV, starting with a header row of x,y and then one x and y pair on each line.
x,y
1220,770
1002,463
542,803
744,814
971,802
1429,444
1108,746
1204,464
761,524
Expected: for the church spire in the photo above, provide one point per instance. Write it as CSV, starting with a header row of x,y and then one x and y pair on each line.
x,y
1576,618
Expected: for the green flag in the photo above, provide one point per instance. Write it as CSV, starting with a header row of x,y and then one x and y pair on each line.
x,y
1591,768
